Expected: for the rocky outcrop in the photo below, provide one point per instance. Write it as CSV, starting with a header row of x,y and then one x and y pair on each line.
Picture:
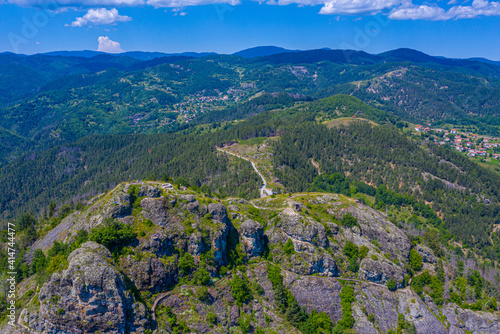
x,y
466,320
149,191
374,225
252,238
303,229
380,271
160,244
316,293
89,296
118,206
426,253
196,244
155,209
150,273
220,233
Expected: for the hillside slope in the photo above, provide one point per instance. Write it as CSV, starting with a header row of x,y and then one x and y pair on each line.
x,y
157,257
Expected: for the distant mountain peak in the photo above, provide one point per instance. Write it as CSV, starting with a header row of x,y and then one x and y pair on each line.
x,y
262,51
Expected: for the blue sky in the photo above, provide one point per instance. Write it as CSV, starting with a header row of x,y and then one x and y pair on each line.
x,y
447,28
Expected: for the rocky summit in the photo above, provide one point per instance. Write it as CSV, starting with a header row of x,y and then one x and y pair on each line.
x,y
150,258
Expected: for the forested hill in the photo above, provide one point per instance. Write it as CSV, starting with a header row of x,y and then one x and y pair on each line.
x,y
46,100
457,190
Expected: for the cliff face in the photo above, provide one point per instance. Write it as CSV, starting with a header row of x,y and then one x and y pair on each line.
x,y
174,277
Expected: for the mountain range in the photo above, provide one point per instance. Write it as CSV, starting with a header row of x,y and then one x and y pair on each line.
x,y
269,191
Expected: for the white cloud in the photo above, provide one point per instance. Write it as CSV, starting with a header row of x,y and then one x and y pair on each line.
x,y
356,6
107,45
77,3
101,16
397,9
435,13
186,3
413,12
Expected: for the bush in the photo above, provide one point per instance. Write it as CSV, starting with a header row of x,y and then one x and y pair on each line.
x,y
186,264
202,276
415,260
351,250
348,220
202,294
113,235
240,290
363,251
211,318
391,284
288,247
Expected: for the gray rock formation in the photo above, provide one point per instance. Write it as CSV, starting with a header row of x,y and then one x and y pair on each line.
x,y
380,271
149,191
426,253
155,209
252,238
303,229
150,273
118,206
89,296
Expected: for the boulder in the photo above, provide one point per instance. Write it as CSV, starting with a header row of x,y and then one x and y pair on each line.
x,y
118,206
89,296
188,198
155,209
426,253
149,191
160,244
193,206
150,273
380,271
252,238
303,229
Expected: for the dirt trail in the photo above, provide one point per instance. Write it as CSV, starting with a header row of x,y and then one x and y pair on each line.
x,y
264,191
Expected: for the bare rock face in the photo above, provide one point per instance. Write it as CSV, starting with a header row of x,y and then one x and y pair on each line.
x,y
149,191
219,235
466,320
380,271
316,293
155,209
196,244
118,206
307,230
189,198
89,296
150,274
159,244
375,226
426,253
193,206
252,237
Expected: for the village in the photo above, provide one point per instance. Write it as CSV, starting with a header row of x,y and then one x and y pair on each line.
x,y
472,144
203,102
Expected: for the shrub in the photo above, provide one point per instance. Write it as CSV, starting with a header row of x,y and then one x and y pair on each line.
x,y
415,260
363,251
113,235
186,264
348,220
391,284
239,289
202,294
288,247
211,318
351,250
202,276
374,257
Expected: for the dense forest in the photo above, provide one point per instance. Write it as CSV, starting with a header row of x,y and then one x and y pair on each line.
x,y
47,101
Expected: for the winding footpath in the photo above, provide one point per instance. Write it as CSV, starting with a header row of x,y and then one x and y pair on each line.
x,y
264,191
